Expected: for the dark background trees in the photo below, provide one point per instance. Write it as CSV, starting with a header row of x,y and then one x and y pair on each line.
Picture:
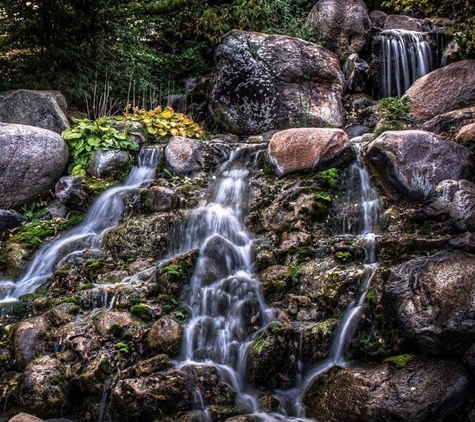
x,y
130,51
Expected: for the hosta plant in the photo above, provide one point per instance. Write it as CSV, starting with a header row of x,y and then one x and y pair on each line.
x,y
87,136
162,122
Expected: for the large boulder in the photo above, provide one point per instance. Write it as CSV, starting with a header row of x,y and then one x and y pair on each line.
x,y
295,150
45,109
420,392
445,89
453,200
43,388
142,399
408,164
186,155
266,82
407,23
343,26
429,299
448,124
32,159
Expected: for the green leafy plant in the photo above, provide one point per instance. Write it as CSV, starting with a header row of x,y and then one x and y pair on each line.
x,y
394,114
342,256
122,348
162,122
86,137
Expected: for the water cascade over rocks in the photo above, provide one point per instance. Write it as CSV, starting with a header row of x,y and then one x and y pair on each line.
x,y
225,298
104,214
359,218
407,56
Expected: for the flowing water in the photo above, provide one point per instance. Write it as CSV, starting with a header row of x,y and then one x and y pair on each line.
x,y
359,218
225,298
407,56
104,214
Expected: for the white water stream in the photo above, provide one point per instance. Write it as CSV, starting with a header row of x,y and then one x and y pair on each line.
x,y
104,214
407,56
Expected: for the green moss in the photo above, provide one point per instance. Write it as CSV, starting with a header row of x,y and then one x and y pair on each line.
x,y
141,311
257,347
86,286
342,256
399,361
117,331
275,328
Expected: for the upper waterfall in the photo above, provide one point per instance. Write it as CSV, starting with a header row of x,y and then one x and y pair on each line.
x,y
407,56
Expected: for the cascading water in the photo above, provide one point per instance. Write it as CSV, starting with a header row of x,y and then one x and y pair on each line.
x,y
359,219
104,214
225,299
407,56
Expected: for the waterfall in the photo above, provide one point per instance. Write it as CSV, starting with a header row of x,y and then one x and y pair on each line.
x,y
225,299
359,218
104,214
407,56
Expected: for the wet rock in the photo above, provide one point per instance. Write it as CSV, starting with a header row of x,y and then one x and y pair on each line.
x,y
455,201
56,209
271,361
407,23
446,89
43,109
159,199
185,155
10,219
107,163
429,300
422,391
211,386
141,237
32,159
143,399
175,274
316,338
71,192
356,72
28,339
265,82
378,18
448,124
93,378
147,367
296,150
466,133
42,388
408,164
342,26
356,130
165,336
274,282
119,324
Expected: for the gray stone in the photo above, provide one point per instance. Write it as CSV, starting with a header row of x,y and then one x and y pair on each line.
x,y
448,124
453,200
407,23
446,89
356,72
343,25
44,109
106,163
420,392
42,388
410,163
266,82
378,18
429,300
31,159
165,336
10,219
70,191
